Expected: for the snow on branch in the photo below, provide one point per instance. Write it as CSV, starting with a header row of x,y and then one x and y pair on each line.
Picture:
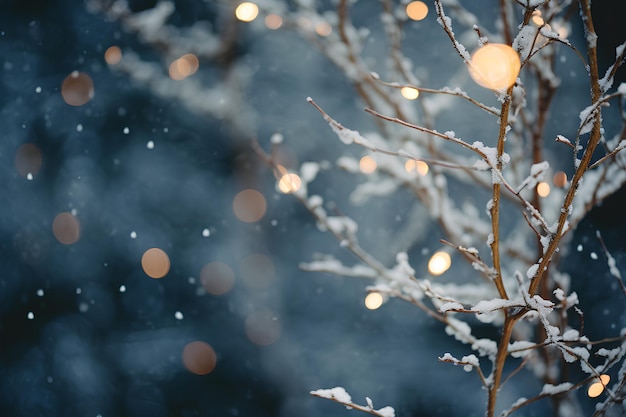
x,y
341,396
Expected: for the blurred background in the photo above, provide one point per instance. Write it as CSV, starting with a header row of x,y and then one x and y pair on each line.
x,y
148,262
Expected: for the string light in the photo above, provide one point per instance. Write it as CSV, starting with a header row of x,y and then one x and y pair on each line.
x,y
409,93
373,301
273,21
597,387
560,179
247,11
66,228
495,66
155,263
289,183
439,263
416,10
113,55
543,189
323,29
536,18
420,167
249,206
199,358
367,164
77,89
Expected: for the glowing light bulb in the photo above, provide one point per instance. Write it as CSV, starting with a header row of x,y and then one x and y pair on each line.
x,y
409,93
199,358
367,165
420,167
289,183
247,11
77,89
155,263
323,29
495,66
543,189
113,55
416,10
373,301
66,228
249,206
439,263
597,387
537,19
273,21
560,179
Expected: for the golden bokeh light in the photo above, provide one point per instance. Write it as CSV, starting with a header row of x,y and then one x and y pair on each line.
x,y
416,10
543,189
249,206
77,89
183,67
373,301
420,167
273,21
289,183
495,66
560,179
155,263
217,278
536,18
439,263
597,387
113,55
323,29
263,328
409,93
199,358
247,11
66,228
367,164
28,160
257,271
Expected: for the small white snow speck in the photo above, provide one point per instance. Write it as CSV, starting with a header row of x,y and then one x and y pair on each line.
x,y
126,131
74,212
165,130
122,288
178,315
83,307
133,235
50,380
150,145
29,176
38,90
274,222
579,248
79,127
40,292
206,232
191,280
593,256
78,290
30,315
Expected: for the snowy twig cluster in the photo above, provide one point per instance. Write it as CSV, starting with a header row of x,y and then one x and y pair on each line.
x,y
505,225
519,287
